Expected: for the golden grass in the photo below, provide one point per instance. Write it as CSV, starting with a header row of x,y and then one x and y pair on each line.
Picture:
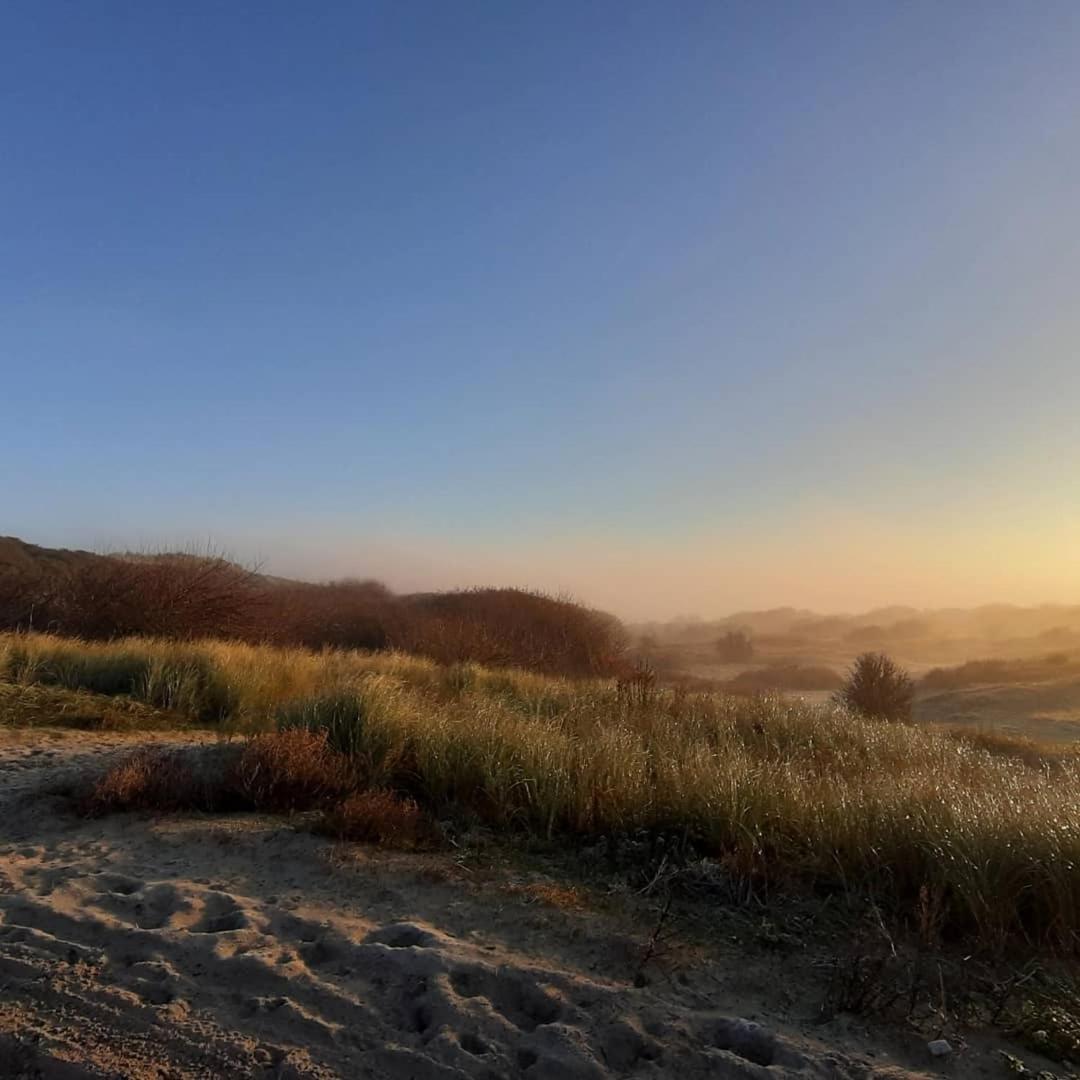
x,y
775,789
35,705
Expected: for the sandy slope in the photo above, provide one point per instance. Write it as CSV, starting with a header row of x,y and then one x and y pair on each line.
x,y
201,947
1048,711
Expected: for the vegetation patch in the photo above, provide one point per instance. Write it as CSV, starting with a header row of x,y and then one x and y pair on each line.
x,y
984,672
781,676
774,791
154,779
379,817
287,770
56,706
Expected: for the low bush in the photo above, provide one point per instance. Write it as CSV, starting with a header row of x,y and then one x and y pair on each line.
x,y
378,817
288,770
735,647
153,779
878,688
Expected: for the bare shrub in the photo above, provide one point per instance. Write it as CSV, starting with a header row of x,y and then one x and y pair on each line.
x,y
878,687
510,628
103,597
378,817
344,614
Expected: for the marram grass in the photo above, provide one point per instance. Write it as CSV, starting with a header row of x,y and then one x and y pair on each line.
x,y
772,787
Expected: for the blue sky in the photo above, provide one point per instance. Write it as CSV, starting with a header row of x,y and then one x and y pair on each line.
x,y
676,307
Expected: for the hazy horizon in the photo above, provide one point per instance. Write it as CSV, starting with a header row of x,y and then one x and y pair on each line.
x,y
690,308
407,570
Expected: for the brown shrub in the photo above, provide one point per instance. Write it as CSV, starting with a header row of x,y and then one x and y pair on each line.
x,y
289,770
149,779
379,817
187,596
509,628
102,597
343,614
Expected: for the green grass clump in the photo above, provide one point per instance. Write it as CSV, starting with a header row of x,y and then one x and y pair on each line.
x,y
343,716
191,685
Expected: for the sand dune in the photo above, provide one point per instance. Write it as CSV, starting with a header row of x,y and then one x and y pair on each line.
x,y
217,947
1048,710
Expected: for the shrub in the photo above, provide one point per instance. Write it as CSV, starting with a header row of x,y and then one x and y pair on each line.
x,y
288,770
378,817
509,628
342,614
174,595
735,647
151,779
877,687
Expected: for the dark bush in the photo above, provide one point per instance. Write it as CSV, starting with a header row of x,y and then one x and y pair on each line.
x,y
877,687
735,647
186,597
509,628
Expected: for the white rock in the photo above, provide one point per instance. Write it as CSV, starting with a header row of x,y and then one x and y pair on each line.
x,y
939,1047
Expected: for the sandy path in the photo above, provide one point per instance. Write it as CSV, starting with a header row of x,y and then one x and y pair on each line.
x,y
240,947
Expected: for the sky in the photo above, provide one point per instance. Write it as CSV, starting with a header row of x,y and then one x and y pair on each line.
x,y
670,306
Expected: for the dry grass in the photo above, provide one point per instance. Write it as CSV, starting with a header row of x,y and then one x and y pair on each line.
x,y
56,706
553,894
778,791
1033,752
